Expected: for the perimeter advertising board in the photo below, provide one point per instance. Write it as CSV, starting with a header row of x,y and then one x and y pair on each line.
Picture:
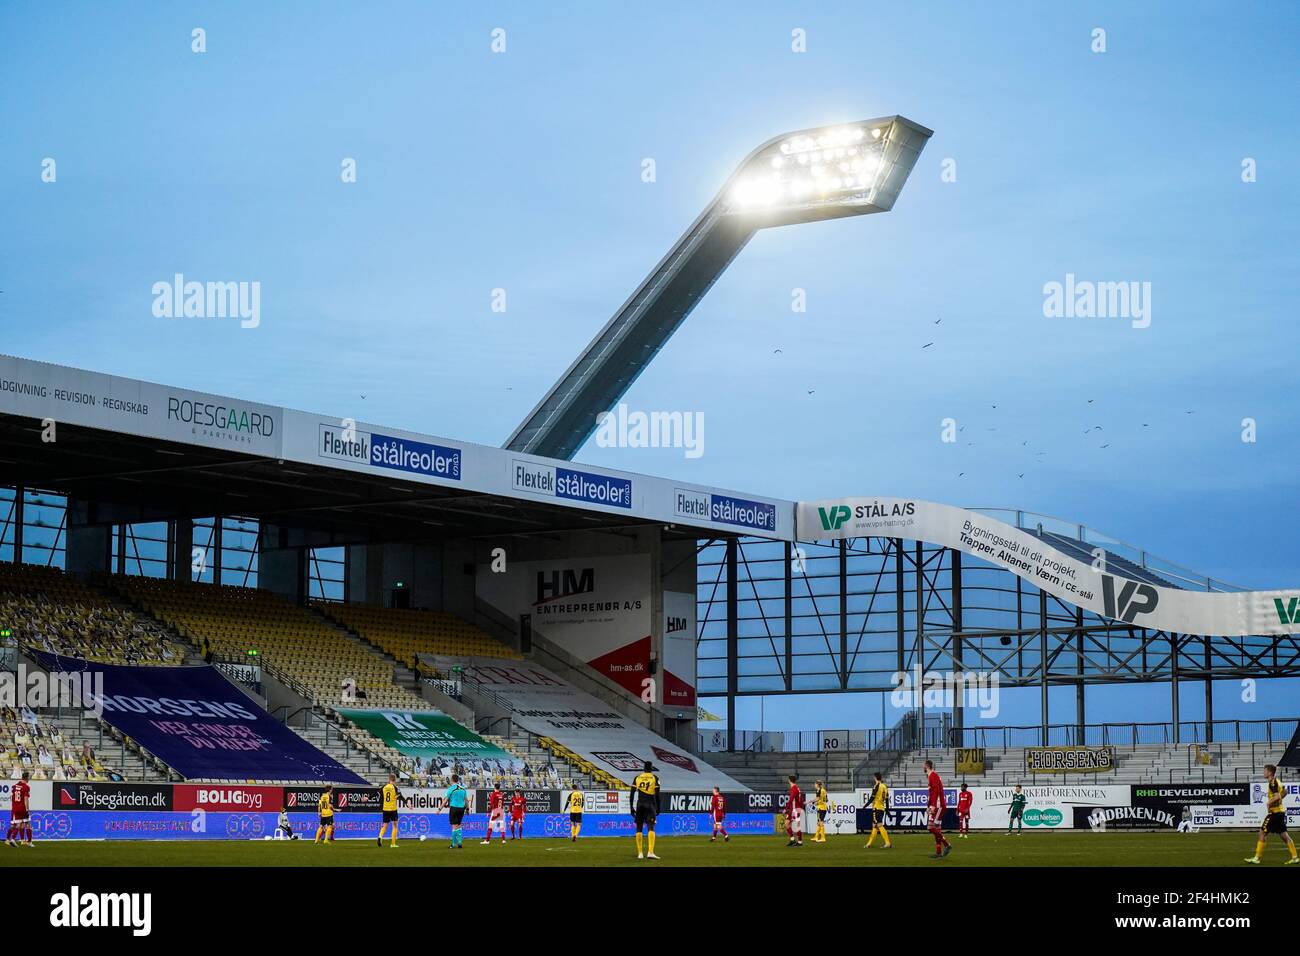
x,y
908,809
42,793
108,811
1046,807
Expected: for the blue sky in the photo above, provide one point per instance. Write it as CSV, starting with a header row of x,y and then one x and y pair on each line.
x,y
522,171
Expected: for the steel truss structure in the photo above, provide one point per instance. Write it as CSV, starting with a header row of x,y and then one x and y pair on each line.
x,y
853,615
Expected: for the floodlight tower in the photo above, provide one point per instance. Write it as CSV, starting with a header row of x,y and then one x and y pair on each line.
x,y
807,176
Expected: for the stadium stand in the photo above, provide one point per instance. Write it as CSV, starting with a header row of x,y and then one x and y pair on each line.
x,y
48,610
53,747
582,765
312,654
52,611
405,634
767,771
1135,765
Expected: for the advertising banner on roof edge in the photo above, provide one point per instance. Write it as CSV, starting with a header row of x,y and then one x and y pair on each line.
x,y
95,400
41,390
411,456
1086,585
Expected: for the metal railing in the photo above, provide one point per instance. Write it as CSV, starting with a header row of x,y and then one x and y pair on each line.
x,y
1129,734
1091,538
940,735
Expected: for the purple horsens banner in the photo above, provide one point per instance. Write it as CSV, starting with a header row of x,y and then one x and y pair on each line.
x,y
201,725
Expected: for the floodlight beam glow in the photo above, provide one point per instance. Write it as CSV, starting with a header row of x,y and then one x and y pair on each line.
x,y
836,164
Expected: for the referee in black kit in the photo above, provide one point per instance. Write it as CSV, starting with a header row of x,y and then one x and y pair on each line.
x,y
645,808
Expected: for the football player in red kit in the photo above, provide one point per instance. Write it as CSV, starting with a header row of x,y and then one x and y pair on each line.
x,y
935,807
20,822
518,806
718,807
496,814
794,813
964,800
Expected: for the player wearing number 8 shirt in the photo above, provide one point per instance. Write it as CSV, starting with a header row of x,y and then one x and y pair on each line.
x,y
645,795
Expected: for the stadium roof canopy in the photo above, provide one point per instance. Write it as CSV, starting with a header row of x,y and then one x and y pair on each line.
x,y
141,451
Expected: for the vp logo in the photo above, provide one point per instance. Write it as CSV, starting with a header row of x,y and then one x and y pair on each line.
x,y
1286,613
833,518
1134,599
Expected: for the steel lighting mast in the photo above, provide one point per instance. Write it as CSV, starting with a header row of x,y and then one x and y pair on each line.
x,y
807,176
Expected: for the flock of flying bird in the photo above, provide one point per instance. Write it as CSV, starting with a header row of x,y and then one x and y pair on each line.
x,y
1038,455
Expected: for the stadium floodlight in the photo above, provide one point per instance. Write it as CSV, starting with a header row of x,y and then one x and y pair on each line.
x,y
806,176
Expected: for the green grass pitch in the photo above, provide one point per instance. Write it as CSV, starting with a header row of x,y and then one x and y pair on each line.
x,y
1063,848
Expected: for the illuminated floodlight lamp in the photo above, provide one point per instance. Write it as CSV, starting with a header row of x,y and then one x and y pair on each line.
x,y
848,169
826,173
